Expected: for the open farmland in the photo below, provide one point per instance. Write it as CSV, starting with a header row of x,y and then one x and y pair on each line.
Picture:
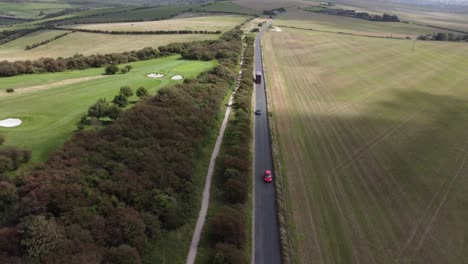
x,y
163,12
373,145
446,16
268,4
87,44
315,21
31,10
50,105
184,22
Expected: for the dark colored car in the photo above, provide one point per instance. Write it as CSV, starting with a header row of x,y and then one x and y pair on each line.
x,y
267,177
258,112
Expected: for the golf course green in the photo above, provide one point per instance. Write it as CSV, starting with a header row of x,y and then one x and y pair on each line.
x,y
50,105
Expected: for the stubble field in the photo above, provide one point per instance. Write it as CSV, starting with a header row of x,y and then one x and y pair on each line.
x,y
182,22
87,44
373,144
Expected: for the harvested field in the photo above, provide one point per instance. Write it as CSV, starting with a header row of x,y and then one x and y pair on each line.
x,y
207,22
88,43
269,4
373,143
307,19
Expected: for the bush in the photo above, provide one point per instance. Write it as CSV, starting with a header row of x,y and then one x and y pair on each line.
x,y
227,254
141,92
112,69
123,70
228,226
120,100
126,91
10,90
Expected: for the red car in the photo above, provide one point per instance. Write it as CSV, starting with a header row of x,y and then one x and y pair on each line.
x,y
267,177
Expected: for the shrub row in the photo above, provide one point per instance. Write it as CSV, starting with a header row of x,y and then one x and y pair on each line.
x,y
197,50
106,193
154,32
76,62
228,225
35,45
7,36
442,36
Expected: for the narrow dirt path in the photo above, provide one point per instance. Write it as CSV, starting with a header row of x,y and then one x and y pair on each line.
x,y
206,191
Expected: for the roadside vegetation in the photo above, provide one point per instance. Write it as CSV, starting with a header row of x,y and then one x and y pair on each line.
x,y
109,194
226,236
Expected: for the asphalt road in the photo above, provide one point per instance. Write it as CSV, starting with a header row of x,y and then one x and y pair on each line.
x,y
266,229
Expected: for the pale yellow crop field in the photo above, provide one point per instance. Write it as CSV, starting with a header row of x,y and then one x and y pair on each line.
x,y
307,19
373,145
204,22
88,44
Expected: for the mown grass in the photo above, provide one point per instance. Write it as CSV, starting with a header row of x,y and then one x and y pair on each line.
x,y
87,44
372,140
50,116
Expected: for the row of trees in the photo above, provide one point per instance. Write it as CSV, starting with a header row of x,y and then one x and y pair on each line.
x,y
35,45
106,193
228,226
443,36
112,110
113,69
356,14
77,62
10,35
151,32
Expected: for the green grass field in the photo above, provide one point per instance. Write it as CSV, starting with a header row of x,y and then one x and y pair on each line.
x,y
87,44
30,10
188,21
50,115
373,144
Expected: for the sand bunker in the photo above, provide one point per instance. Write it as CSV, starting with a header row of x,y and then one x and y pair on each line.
x,y
177,77
10,122
155,75
276,29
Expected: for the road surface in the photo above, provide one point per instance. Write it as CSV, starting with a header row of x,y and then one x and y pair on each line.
x,y
266,229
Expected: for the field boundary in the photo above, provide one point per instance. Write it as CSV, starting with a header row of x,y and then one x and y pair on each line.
x,y
156,32
280,182
342,33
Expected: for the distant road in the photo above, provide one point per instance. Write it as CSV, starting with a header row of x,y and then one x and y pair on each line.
x,y
266,229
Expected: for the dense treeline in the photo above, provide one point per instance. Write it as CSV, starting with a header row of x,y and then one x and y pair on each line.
x,y
228,226
153,32
7,36
197,50
77,62
35,45
355,14
273,12
106,193
442,36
